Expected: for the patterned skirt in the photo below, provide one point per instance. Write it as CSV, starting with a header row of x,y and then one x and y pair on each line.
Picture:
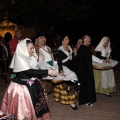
x,y
65,93
26,102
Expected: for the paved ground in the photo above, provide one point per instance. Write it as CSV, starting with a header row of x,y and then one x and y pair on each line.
x,y
105,108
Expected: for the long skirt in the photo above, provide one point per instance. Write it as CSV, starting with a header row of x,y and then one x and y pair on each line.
x,y
24,105
65,93
104,81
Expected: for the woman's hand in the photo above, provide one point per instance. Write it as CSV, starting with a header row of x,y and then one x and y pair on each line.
x,y
61,73
108,60
75,51
52,73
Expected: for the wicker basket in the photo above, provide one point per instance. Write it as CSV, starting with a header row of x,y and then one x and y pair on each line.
x,y
102,67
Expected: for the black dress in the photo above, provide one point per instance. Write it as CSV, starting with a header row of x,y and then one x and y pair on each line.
x,y
84,70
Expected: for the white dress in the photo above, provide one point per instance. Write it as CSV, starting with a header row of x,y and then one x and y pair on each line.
x,y
107,78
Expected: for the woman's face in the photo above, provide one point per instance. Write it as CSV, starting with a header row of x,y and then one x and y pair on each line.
x,y
41,40
30,47
65,40
106,43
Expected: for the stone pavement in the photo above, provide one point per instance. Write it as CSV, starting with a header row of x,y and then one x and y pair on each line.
x,y
105,108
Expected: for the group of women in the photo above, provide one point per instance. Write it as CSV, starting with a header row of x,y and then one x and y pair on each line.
x,y
25,97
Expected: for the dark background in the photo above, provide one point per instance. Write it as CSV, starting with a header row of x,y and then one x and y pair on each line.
x,y
76,18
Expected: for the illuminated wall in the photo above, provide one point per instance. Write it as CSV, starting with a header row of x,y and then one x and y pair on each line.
x,y
10,27
6,26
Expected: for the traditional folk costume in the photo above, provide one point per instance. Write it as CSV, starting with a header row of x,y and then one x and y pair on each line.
x,y
45,62
66,92
104,79
24,96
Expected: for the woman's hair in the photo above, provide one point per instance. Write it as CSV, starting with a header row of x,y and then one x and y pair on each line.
x,y
60,39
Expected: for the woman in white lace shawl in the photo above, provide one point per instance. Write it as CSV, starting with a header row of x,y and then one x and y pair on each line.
x,y
103,51
24,96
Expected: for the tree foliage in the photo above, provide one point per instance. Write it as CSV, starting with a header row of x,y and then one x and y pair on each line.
x,y
46,13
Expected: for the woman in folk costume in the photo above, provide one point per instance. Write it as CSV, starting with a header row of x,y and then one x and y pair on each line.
x,y
103,51
24,96
65,92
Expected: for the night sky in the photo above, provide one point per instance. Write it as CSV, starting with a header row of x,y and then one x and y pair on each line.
x,y
104,21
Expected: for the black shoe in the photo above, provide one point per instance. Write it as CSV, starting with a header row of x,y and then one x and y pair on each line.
x,y
109,95
74,108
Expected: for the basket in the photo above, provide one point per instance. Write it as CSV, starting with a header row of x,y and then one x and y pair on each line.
x,y
102,67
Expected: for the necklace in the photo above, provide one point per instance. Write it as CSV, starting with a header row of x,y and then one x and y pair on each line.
x,y
48,51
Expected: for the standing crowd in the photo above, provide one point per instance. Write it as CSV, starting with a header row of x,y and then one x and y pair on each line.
x,y
71,76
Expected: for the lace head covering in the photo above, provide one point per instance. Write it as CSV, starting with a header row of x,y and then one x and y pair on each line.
x,y
21,60
105,52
